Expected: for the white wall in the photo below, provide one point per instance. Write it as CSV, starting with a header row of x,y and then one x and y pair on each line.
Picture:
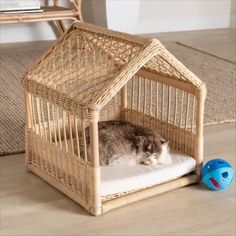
x,y
149,16
135,16
180,15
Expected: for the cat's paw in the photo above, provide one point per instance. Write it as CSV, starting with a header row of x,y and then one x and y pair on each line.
x,y
149,161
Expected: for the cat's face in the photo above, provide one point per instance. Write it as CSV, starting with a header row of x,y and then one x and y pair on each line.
x,y
151,149
154,148
148,145
153,156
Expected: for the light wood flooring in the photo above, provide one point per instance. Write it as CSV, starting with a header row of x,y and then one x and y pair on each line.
x,y
29,206
219,42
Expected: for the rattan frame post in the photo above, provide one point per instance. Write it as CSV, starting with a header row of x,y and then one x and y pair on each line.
x,y
201,95
96,171
92,74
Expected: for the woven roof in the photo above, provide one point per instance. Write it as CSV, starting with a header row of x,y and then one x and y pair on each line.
x,y
89,64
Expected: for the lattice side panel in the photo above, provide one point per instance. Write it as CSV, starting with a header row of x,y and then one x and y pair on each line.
x,y
58,144
171,111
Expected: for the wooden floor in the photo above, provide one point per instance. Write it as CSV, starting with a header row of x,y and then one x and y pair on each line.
x,y
29,206
219,42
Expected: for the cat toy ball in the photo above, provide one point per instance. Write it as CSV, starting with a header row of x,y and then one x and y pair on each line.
x,y
217,174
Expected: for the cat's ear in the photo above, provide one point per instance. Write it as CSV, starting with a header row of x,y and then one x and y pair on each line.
x,y
164,142
165,146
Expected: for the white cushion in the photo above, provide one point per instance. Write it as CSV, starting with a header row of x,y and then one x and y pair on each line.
x,y
118,179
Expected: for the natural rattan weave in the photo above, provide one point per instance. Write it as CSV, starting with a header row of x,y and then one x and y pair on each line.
x,y
217,73
93,74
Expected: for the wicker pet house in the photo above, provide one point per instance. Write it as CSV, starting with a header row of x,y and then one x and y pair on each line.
x,y
93,74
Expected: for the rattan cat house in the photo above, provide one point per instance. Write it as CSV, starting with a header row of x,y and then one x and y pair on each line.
x,y
93,74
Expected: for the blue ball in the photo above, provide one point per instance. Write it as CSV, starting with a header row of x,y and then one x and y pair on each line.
x,y
217,174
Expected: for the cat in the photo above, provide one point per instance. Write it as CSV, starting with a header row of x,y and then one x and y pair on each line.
x,y
123,143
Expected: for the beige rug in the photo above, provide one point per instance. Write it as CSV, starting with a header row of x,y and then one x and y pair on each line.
x,y
218,74
13,63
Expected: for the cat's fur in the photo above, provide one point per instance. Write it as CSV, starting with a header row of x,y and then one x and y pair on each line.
x,y
123,143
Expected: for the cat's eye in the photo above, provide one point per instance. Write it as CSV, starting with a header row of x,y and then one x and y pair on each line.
x,y
150,146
